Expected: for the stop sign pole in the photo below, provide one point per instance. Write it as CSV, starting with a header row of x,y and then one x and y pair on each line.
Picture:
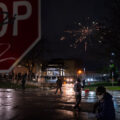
x,y
20,30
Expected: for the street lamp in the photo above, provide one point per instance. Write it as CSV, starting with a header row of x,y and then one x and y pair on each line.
x,y
79,72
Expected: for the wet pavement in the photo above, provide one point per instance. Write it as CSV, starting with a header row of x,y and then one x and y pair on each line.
x,y
34,104
116,98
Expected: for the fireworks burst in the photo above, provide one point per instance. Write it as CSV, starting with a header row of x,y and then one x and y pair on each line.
x,y
83,33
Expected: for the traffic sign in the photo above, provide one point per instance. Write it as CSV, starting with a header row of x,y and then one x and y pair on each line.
x,y
20,30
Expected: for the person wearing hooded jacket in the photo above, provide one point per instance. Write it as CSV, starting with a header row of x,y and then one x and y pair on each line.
x,y
59,85
77,89
104,106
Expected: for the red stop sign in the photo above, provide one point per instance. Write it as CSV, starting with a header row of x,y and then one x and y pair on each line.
x,y
19,30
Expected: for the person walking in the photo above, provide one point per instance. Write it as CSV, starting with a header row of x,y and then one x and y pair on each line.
x,y
59,85
77,89
104,108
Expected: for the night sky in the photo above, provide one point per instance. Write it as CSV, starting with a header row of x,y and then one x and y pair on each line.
x,y
60,15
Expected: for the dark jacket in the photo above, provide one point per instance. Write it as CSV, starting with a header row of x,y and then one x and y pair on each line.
x,y
59,82
77,87
24,79
106,109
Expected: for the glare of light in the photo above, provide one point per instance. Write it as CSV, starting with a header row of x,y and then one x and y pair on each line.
x,y
91,79
67,79
113,53
64,83
93,22
62,38
91,93
84,69
69,89
88,79
79,24
79,72
9,96
34,79
71,80
100,41
104,75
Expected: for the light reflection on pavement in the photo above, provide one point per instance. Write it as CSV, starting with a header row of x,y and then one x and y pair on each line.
x,y
69,94
36,103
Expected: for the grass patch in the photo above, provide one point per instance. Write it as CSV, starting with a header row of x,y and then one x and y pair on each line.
x,y
113,88
103,83
107,85
9,85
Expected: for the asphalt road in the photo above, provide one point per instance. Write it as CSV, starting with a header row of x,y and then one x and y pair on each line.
x,y
38,104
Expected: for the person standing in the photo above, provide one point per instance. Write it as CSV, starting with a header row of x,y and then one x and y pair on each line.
x,y
104,108
59,85
24,77
19,77
77,89
83,83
